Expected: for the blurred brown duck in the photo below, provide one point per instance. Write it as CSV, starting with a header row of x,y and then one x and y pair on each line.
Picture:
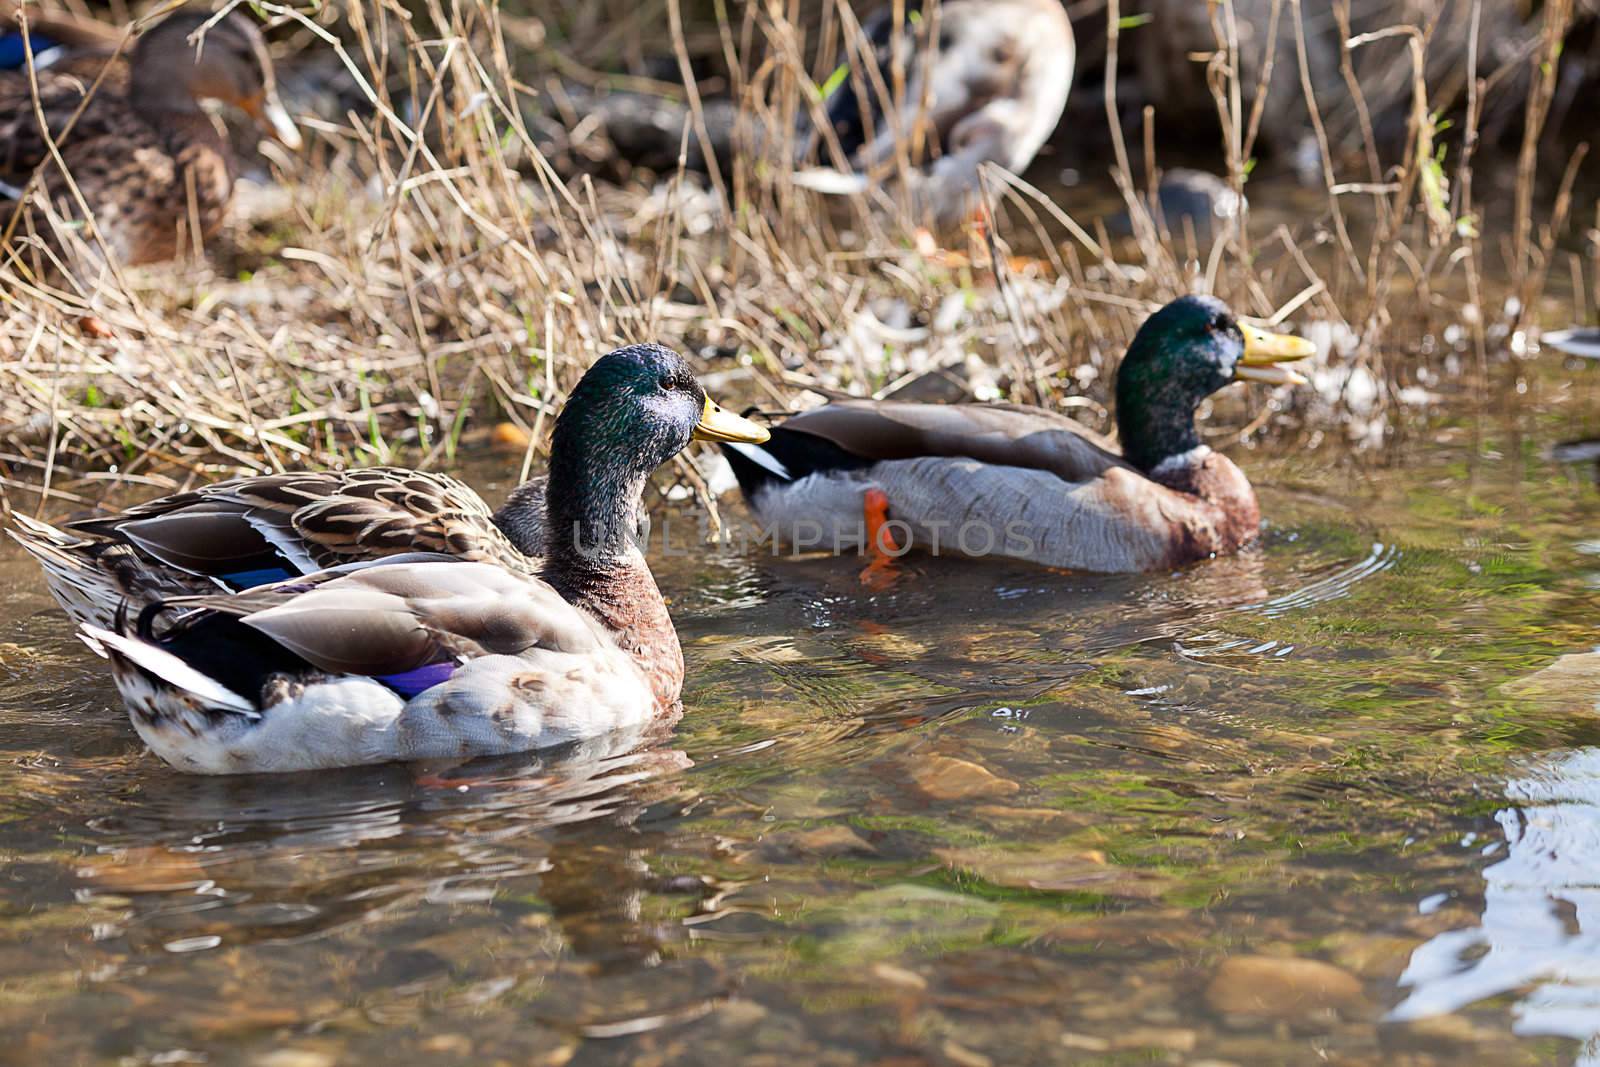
x,y
988,87
143,148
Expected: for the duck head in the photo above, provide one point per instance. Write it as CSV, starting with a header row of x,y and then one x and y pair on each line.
x,y
1182,354
635,409
174,66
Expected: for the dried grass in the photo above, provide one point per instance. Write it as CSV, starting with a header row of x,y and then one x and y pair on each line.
x,y
411,279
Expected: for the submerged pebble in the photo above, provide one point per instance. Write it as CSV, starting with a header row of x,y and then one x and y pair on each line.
x,y
1282,987
948,778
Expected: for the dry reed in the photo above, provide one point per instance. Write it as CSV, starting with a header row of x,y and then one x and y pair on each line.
x,y
426,268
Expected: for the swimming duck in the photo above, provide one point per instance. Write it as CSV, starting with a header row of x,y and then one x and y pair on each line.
x,y
425,655
1025,483
246,532
991,88
142,142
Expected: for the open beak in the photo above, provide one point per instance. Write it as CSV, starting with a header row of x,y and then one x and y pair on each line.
x,y
718,425
1263,350
268,112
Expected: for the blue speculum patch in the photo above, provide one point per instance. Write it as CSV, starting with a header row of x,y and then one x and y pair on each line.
x,y
263,576
13,54
409,683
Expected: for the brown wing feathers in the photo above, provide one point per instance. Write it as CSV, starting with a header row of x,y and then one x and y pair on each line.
x,y
315,520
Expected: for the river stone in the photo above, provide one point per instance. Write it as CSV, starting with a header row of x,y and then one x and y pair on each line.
x,y
1053,870
948,778
741,1012
447,1045
962,1056
294,1057
1433,1031
889,974
822,842
1374,956
145,869
1165,1038
1571,683
1282,987
1054,818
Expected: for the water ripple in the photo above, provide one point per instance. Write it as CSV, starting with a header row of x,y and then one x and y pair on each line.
x,y
1539,932
1333,586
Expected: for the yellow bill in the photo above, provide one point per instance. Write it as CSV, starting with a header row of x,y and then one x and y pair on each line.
x,y
1262,350
717,424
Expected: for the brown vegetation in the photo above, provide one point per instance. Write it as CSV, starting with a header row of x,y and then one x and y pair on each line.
x,y
425,268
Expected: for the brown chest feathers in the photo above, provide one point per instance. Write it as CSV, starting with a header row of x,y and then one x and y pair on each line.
x,y
1211,510
627,602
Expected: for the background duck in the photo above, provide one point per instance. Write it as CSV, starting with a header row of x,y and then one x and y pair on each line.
x,y
989,88
141,145
1025,483
246,532
1574,341
431,656
54,38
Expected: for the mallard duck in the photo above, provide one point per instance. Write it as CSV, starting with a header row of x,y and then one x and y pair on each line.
x,y
246,532
426,655
1024,483
990,88
142,146
1581,341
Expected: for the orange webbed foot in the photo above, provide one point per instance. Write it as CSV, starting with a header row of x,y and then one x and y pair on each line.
x,y
880,572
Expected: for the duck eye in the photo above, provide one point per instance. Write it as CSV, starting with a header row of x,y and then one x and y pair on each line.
x,y
666,383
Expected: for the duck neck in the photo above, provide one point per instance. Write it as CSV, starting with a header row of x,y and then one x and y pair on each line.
x,y
591,507
1158,434
592,561
1161,440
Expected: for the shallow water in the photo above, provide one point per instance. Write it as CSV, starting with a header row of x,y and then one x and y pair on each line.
x,y
1337,798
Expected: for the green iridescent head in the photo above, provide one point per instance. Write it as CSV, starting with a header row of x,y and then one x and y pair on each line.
x,y
1181,355
636,408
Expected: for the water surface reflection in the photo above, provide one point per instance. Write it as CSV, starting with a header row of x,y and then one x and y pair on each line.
x,y
1538,936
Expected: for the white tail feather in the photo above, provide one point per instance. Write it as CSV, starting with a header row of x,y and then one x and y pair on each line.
x,y
761,458
285,541
41,529
170,669
831,182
